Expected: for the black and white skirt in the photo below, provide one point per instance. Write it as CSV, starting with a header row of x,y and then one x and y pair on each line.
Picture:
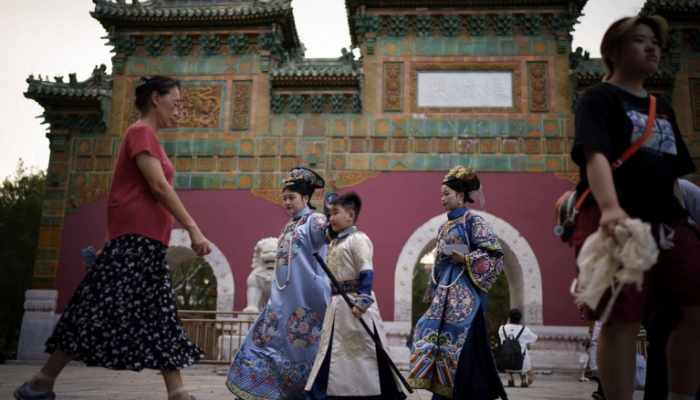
x,y
123,314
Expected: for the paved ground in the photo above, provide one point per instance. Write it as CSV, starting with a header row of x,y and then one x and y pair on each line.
x,y
78,382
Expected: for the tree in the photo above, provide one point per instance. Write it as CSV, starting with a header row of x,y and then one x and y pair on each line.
x,y
21,199
194,285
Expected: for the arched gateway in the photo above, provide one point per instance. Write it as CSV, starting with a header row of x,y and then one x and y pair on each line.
x,y
520,266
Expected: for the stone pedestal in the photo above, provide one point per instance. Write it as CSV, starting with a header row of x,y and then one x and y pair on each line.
x,y
37,324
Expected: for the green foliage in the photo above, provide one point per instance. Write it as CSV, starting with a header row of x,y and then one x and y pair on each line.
x,y
21,200
194,285
499,304
420,282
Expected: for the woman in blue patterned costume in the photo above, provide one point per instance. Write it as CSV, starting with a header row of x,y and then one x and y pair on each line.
x,y
452,356
276,356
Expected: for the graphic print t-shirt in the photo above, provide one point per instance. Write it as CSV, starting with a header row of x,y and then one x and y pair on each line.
x,y
608,120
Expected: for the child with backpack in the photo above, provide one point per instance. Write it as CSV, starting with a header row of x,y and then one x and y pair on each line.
x,y
515,358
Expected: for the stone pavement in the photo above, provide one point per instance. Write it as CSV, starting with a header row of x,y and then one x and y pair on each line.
x,y
79,382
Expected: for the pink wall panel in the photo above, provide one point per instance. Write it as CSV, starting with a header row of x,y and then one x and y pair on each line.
x,y
394,206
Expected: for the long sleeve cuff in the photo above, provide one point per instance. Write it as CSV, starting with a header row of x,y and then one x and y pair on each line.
x,y
363,302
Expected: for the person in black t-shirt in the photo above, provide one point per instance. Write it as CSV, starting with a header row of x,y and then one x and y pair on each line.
x,y
611,116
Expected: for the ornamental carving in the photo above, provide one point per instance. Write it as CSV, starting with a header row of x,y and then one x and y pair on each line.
x,y
503,24
695,95
530,23
356,103
337,102
675,38
238,43
477,24
209,44
513,67
539,95
276,103
240,113
392,86
351,178
200,107
397,25
423,24
317,102
181,44
367,24
573,177
450,24
155,44
296,103
695,39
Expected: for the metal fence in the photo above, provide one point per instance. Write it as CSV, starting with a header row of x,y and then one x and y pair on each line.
x,y
217,333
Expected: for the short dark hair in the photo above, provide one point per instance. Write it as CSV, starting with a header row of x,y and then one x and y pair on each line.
x,y
304,189
350,202
160,83
515,316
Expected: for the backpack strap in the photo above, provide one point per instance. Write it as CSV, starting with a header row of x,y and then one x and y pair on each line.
x,y
651,120
520,333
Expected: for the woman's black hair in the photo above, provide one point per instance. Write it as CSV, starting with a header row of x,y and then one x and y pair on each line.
x,y
159,83
459,187
304,189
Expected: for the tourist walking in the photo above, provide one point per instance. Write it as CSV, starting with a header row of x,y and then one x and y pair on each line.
x,y
276,356
611,117
123,315
513,329
452,356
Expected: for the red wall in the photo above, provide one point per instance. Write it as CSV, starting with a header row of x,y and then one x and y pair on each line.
x,y
394,205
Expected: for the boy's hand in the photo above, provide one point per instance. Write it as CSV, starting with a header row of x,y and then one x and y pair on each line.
x,y
356,312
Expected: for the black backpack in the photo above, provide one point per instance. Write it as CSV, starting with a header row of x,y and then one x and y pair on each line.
x,y
511,355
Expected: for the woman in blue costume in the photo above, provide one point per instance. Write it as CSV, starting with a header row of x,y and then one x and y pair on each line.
x,y
452,356
276,356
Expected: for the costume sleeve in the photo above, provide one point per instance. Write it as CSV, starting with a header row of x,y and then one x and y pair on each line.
x,y
142,139
485,261
362,257
592,126
318,230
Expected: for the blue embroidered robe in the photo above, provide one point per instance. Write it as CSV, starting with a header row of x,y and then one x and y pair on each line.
x,y
454,325
276,356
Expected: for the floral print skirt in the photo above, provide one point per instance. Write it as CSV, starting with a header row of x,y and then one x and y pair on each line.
x,y
123,314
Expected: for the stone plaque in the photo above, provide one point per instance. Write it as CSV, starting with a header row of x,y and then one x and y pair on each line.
x,y
465,89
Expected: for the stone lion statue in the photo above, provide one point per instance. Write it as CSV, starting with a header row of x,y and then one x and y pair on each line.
x,y
260,279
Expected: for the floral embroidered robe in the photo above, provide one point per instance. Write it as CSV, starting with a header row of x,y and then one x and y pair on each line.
x,y
276,356
353,368
441,333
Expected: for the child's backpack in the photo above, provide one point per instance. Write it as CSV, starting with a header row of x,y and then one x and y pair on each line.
x,y
511,355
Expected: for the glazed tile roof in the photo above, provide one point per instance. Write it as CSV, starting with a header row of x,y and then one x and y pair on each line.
x,y
90,90
592,71
674,10
351,6
327,71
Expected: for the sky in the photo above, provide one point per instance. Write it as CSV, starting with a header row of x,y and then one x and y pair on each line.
x,y
53,38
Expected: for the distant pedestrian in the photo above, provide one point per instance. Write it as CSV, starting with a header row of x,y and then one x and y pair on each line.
x,y
513,329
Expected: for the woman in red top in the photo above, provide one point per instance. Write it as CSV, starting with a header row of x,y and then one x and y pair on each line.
x,y
611,117
123,314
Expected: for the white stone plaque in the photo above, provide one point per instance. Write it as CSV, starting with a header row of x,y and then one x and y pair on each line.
x,y
465,89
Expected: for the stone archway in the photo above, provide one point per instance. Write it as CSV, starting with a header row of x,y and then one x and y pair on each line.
x,y
520,266
217,260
